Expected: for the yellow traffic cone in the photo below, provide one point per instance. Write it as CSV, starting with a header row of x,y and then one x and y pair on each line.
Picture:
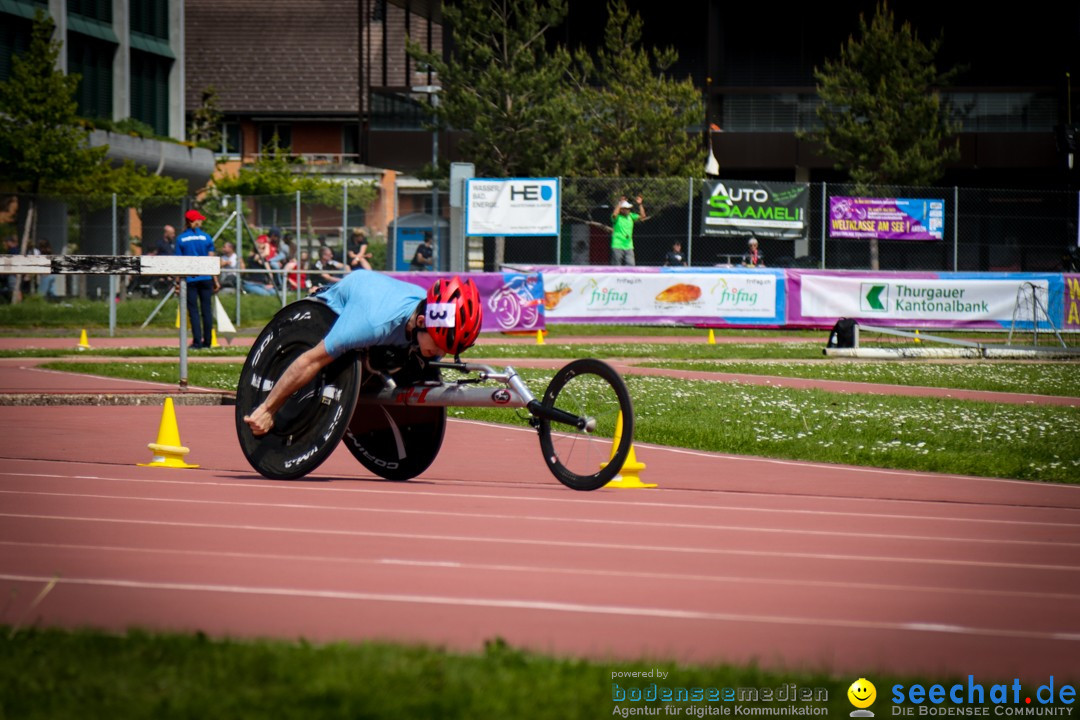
x,y
539,337
168,452
917,338
712,337
84,343
213,338
628,476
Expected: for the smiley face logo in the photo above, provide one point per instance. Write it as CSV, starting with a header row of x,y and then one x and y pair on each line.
x,y
862,693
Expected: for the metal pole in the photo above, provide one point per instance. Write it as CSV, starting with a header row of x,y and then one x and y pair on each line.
x,y
824,219
956,229
345,223
434,184
689,221
392,251
183,334
239,257
296,241
112,278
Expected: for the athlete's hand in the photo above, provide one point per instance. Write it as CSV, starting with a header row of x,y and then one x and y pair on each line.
x,y
260,421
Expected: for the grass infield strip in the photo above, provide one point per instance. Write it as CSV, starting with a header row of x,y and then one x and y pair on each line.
x,y
1027,442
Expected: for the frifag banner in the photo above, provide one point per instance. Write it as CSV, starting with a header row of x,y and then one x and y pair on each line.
x,y
743,208
512,301
753,297
887,218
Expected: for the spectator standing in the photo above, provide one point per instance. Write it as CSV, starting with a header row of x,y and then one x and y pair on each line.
x,y
167,246
357,253
423,258
622,230
753,257
47,283
194,242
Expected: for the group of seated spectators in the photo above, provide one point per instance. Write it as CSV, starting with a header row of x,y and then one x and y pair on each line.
x,y
272,251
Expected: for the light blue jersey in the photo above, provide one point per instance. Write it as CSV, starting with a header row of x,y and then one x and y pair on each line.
x,y
372,309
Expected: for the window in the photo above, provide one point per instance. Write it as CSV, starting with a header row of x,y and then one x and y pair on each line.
x,y
92,59
100,10
231,139
283,132
150,17
14,39
350,142
150,90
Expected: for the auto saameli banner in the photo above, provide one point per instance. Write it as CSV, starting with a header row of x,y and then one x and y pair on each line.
x,y
744,208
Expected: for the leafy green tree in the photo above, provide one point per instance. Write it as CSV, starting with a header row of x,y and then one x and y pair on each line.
x,y
205,128
42,147
504,87
276,176
634,119
882,118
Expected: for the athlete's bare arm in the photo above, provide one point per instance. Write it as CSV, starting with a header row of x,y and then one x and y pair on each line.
x,y
302,371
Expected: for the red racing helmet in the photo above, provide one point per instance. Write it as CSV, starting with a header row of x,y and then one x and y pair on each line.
x,y
453,315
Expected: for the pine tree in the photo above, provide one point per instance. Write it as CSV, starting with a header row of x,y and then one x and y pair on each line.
x,y
635,120
503,87
882,118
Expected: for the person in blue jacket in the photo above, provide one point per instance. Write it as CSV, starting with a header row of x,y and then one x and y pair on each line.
x,y
194,242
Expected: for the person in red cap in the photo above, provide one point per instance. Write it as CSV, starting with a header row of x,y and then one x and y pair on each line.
x,y
194,242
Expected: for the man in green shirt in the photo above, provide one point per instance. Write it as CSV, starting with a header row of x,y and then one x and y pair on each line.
x,y
622,230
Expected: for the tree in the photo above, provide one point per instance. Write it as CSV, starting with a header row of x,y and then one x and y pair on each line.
x,y
276,176
634,120
41,144
503,87
205,128
881,115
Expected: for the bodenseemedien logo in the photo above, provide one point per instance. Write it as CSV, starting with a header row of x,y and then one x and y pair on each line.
x,y
862,695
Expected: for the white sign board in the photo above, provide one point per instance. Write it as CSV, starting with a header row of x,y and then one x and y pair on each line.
x,y
514,206
869,297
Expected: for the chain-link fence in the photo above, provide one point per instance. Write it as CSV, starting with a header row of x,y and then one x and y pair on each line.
x,y
976,230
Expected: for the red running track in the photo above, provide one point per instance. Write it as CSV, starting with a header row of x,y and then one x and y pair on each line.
x,y
733,559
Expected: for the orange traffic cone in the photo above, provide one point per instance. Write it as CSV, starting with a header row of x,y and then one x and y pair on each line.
x,y
168,452
629,475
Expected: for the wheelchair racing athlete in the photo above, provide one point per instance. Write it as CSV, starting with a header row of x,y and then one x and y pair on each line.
x,y
375,310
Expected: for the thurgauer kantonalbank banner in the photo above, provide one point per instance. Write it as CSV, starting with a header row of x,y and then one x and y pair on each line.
x,y
744,208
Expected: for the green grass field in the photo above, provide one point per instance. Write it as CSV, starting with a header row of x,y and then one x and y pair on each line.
x,y
49,674
1027,442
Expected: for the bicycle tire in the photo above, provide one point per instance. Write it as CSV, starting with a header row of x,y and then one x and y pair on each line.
x,y
309,426
580,459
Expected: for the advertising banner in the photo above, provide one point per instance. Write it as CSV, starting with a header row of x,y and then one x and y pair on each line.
x,y
512,301
921,299
744,208
1071,303
515,206
730,297
886,218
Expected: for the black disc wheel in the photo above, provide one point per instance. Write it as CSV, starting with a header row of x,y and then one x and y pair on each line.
x,y
587,458
310,424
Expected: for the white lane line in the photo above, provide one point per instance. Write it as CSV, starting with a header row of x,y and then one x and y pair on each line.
x,y
550,519
620,547
556,570
543,606
607,499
